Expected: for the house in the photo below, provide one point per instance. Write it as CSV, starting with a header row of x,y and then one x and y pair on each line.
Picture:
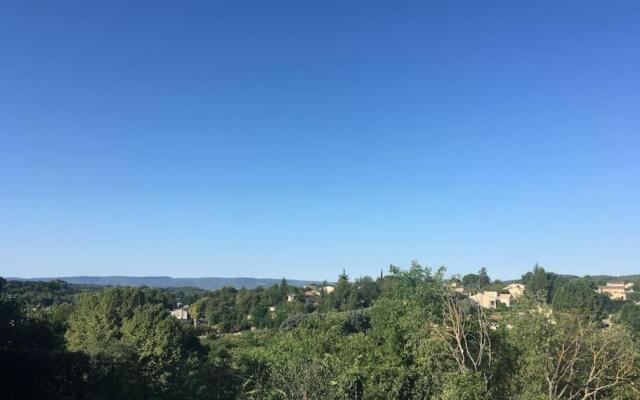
x,y
515,289
491,299
291,298
310,294
457,287
181,313
327,289
616,290
272,309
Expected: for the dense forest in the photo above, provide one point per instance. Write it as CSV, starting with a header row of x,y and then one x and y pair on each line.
x,y
404,335
165,281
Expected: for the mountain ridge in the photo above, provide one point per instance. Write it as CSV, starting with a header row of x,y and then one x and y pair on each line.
x,y
208,283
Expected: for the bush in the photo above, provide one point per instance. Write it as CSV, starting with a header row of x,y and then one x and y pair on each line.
x,y
355,321
292,321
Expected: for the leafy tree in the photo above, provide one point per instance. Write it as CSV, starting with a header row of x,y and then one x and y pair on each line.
x,y
342,291
630,316
405,336
366,291
94,326
566,357
356,321
471,281
156,342
576,296
483,278
540,282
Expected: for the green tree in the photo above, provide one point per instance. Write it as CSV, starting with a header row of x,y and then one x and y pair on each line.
x,y
94,325
542,283
471,281
576,296
630,316
156,342
342,291
483,278
561,356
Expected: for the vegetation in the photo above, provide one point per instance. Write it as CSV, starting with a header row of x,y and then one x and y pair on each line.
x,y
406,335
167,282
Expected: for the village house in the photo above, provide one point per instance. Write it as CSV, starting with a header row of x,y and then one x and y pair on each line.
x,y
310,294
616,290
515,289
312,291
327,289
457,287
181,312
491,299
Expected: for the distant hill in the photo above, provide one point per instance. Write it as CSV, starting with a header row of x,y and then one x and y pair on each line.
x,y
603,278
167,281
616,278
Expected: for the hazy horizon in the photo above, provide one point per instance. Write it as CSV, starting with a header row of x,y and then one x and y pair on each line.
x,y
297,139
385,271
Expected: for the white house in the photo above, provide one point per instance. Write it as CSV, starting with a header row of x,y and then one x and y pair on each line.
x,y
182,313
491,299
515,289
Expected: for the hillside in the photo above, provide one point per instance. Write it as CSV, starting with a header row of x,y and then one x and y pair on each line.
x,y
167,281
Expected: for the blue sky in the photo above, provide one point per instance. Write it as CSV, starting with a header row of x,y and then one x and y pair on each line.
x,y
295,139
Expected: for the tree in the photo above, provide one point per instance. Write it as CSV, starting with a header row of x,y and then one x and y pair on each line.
x,y
578,297
156,342
94,325
562,356
219,308
139,349
366,291
471,281
630,316
465,330
542,283
356,321
343,289
483,278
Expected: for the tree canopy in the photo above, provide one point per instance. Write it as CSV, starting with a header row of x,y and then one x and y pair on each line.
x,y
407,335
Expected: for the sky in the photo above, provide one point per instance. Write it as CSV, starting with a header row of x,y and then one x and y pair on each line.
x,y
298,138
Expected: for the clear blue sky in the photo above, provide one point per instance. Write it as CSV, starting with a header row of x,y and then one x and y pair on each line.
x,y
298,138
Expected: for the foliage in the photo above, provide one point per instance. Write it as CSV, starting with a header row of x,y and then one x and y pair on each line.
x,y
578,297
542,283
403,336
565,357
630,316
356,321
477,282
45,293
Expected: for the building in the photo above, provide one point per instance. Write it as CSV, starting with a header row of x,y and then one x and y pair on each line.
x,y
616,290
491,299
327,289
457,287
310,294
515,289
181,313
